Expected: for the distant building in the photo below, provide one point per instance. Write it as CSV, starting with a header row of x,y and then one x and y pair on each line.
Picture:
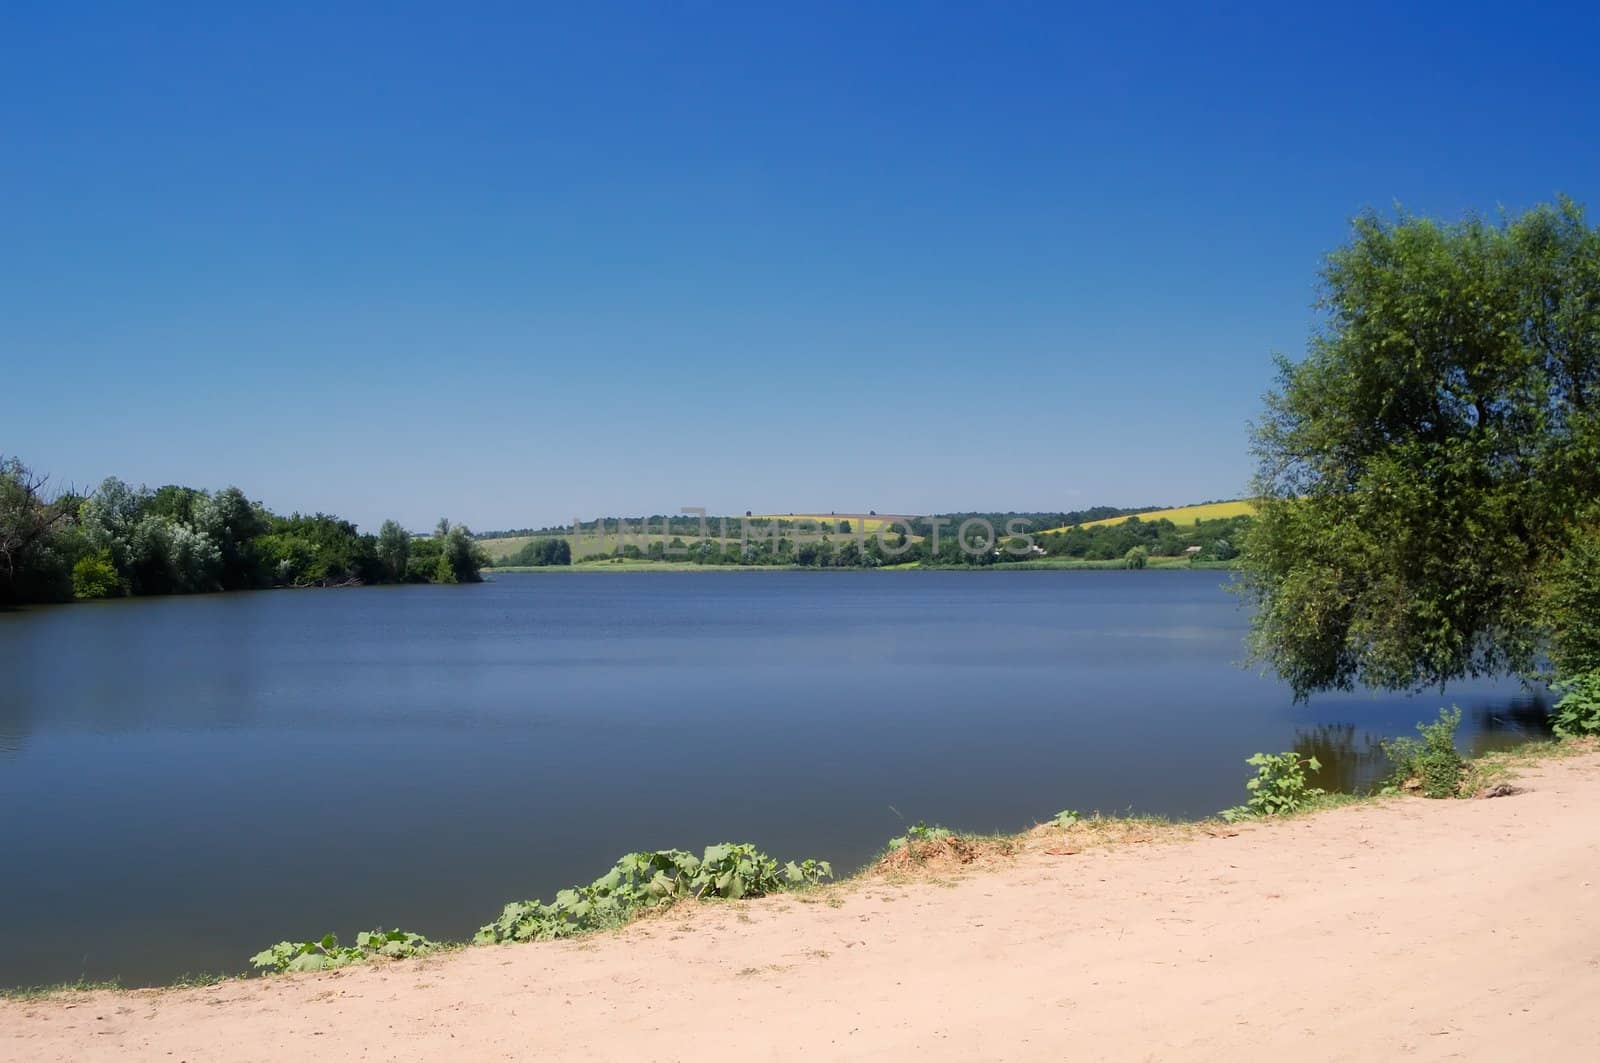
x,y
1191,550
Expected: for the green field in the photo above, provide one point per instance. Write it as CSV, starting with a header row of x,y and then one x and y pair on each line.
x,y
582,545
590,543
619,564
858,521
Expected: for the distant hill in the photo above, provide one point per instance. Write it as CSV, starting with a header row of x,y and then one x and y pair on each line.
x,y
1180,515
505,543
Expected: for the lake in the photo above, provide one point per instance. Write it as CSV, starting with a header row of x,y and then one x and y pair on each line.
x,y
188,780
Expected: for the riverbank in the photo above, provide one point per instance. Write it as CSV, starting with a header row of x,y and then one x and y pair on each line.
x,y
1398,926
1054,564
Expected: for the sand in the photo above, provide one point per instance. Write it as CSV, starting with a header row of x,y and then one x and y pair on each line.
x,y
1403,928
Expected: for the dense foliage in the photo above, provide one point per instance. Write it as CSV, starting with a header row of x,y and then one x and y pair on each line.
x,y
122,540
1578,712
1429,474
1430,763
1216,540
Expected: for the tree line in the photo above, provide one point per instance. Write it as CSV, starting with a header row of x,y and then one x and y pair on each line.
x,y
1221,539
939,544
121,540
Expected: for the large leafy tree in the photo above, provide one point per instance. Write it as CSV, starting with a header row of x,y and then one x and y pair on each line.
x,y
394,548
1429,472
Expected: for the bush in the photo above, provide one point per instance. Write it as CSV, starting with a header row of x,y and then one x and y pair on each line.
x,y
1280,786
1136,557
1432,764
94,576
1578,711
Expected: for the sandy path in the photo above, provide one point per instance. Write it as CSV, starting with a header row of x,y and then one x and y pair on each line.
x,y
1466,929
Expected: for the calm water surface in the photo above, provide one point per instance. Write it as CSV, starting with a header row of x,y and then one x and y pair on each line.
x,y
184,781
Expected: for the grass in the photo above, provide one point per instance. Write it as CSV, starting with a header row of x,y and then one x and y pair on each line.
x,y
505,547
43,992
1179,515
624,564
587,543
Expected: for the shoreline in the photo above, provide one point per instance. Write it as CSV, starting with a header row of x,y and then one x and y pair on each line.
x,y
1474,921
915,566
1480,777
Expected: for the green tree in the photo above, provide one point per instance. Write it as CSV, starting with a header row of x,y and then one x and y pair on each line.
x,y
234,523
31,566
394,549
1429,465
1136,557
461,555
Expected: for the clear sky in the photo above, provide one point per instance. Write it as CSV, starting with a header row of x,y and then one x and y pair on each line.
x,y
513,263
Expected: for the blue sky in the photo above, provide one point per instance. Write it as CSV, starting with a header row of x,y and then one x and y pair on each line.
x,y
513,263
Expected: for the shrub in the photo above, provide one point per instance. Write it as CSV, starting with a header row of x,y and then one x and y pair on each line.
x,y
94,576
326,953
1432,763
1136,557
1280,786
1578,711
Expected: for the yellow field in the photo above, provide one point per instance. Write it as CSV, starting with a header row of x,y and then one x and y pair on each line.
x,y
1181,515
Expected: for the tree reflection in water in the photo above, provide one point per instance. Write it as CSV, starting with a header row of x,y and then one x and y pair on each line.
x,y
1353,760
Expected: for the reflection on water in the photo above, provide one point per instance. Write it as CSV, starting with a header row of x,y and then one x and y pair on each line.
x,y
1506,724
1353,760
12,732
208,775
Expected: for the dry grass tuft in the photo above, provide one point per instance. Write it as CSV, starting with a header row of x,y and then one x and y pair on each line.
x,y
922,857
